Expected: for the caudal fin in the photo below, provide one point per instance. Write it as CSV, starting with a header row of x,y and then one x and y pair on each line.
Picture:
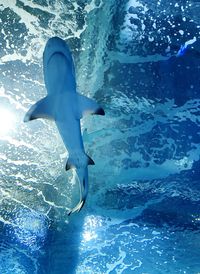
x,y
77,208
83,184
82,175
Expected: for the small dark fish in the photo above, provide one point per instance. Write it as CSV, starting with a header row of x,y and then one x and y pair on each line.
x,y
182,50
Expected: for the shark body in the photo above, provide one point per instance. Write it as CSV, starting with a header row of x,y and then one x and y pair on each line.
x,y
66,107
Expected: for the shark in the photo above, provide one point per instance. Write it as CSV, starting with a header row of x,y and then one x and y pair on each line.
x,y
66,106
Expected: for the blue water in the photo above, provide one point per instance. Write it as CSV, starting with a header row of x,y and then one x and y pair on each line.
x,y
141,61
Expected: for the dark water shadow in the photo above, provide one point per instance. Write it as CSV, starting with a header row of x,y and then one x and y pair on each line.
x,y
62,250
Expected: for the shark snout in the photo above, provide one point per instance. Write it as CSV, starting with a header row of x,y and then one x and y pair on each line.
x,y
56,44
55,41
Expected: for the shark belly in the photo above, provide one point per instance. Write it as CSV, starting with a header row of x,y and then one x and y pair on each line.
x,y
68,124
58,74
71,135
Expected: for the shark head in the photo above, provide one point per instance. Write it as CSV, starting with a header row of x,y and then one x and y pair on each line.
x,y
56,45
58,66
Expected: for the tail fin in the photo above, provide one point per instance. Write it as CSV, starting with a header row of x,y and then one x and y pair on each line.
x,y
77,208
83,184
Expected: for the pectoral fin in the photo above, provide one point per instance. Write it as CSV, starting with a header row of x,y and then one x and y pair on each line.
x,y
89,106
42,109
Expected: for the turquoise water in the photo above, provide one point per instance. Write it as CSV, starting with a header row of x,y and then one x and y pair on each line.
x,y
141,61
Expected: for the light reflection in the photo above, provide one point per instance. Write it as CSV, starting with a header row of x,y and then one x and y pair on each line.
x,y
30,228
7,121
91,225
89,235
185,163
